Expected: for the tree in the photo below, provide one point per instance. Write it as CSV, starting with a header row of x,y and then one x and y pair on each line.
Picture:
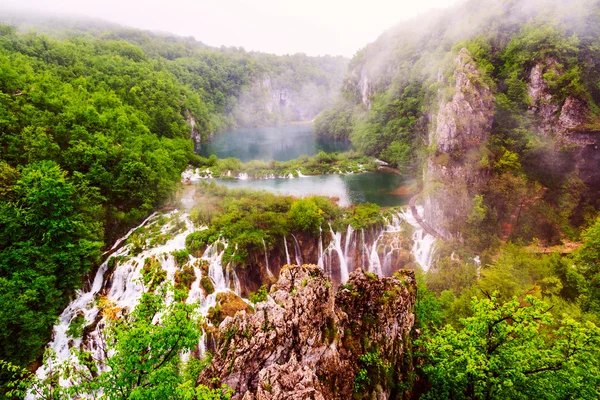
x,y
514,351
141,358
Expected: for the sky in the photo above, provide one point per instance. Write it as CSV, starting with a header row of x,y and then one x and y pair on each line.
x,y
314,27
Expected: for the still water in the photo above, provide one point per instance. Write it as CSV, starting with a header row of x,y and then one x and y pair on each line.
x,y
281,143
376,187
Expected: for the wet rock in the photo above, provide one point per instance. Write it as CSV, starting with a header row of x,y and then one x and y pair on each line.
x,y
306,341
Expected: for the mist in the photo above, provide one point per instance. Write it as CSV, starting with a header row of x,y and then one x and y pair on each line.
x,y
313,27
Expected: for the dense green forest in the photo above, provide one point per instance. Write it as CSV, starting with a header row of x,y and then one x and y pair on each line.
x,y
95,134
238,87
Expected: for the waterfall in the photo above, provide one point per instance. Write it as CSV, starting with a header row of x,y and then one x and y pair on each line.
x,y
374,262
348,247
336,242
122,287
423,242
237,286
320,249
300,174
287,253
297,251
267,258
215,268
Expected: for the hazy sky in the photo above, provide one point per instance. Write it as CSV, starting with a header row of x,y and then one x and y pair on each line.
x,y
275,26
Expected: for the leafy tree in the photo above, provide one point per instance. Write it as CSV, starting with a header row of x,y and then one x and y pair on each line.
x,y
513,350
141,359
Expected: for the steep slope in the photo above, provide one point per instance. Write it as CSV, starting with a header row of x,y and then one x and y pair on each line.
x,y
489,102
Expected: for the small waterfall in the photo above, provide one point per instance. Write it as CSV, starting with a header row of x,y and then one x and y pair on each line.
x,y
336,242
300,174
363,249
297,251
320,249
287,253
215,268
267,259
348,247
374,262
424,243
237,286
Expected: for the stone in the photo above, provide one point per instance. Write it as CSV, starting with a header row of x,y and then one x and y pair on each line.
x,y
305,340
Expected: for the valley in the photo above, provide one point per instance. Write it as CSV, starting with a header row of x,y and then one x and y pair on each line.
x,y
181,221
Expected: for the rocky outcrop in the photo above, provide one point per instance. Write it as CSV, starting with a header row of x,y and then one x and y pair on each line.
x,y
451,178
466,120
569,124
309,342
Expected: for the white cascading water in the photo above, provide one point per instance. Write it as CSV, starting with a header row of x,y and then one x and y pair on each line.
x,y
123,288
267,259
423,242
297,251
287,253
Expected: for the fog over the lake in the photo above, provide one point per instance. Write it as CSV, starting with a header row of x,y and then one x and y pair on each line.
x,y
314,27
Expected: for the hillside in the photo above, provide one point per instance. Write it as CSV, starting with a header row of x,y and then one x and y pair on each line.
x,y
95,132
495,101
239,88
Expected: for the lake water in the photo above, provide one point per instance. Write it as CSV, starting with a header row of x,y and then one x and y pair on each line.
x,y
372,187
281,143
292,141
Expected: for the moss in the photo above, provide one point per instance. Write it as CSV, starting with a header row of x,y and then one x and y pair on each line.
x,y
207,285
228,304
181,257
185,277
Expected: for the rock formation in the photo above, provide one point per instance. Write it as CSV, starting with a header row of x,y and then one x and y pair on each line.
x,y
463,124
308,342
569,124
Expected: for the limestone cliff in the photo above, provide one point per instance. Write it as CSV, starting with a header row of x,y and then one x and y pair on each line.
x,y
463,123
308,342
567,124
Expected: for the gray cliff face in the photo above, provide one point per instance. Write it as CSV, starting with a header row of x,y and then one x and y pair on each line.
x,y
567,124
306,340
462,125
267,101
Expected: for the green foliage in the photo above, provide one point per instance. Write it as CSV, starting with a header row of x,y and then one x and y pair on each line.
x,y
181,257
143,359
374,369
365,215
306,216
513,350
260,295
49,238
319,164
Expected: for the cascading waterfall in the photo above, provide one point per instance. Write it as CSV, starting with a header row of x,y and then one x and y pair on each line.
x,y
267,258
336,245
297,251
348,247
122,288
423,242
287,253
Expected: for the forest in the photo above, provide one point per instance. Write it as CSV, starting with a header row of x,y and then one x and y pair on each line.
x,y
97,124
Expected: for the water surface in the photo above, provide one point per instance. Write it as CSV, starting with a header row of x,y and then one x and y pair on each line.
x,y
281,143
372,187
